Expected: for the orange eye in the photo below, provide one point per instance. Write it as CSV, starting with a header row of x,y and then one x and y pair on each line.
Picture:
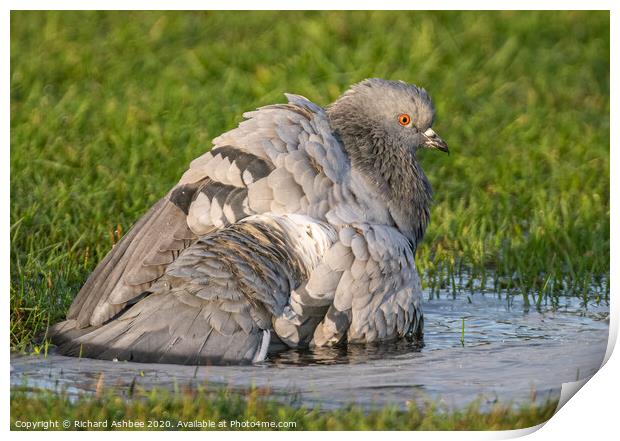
x,y
404,119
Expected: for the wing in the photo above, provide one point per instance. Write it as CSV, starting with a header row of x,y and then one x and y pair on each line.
x,y
282,159
132,264
216,302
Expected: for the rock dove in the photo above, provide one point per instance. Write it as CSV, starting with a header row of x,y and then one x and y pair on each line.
x,y
298,228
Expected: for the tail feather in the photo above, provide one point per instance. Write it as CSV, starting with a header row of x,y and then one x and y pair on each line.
x,y
165,329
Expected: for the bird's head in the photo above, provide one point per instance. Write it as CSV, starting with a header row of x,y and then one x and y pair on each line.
x,y
393,114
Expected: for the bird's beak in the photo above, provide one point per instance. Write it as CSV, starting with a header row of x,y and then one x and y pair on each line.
x,y
433,141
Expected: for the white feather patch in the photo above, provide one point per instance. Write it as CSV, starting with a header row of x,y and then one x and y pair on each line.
x,y
261,354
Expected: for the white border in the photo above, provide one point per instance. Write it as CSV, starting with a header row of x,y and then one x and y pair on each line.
x,y
591,415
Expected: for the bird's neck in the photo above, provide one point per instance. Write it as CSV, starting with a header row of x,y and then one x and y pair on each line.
x,y
397,175
409,193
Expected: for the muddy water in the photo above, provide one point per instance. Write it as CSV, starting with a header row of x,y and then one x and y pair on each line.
x,y
508,352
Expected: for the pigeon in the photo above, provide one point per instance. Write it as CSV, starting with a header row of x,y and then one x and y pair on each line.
x,y
298,228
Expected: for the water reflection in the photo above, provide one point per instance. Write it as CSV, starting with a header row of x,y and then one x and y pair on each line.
x,y
343,354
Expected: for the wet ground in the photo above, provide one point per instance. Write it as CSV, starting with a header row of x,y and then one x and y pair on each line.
x,y
508,352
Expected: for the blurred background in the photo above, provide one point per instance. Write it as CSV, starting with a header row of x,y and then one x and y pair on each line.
x,y
108,109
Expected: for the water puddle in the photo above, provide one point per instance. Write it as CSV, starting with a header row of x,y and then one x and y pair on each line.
x,y
508,352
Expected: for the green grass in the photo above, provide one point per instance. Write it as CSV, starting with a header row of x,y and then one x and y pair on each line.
x,y
165,410
107,110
